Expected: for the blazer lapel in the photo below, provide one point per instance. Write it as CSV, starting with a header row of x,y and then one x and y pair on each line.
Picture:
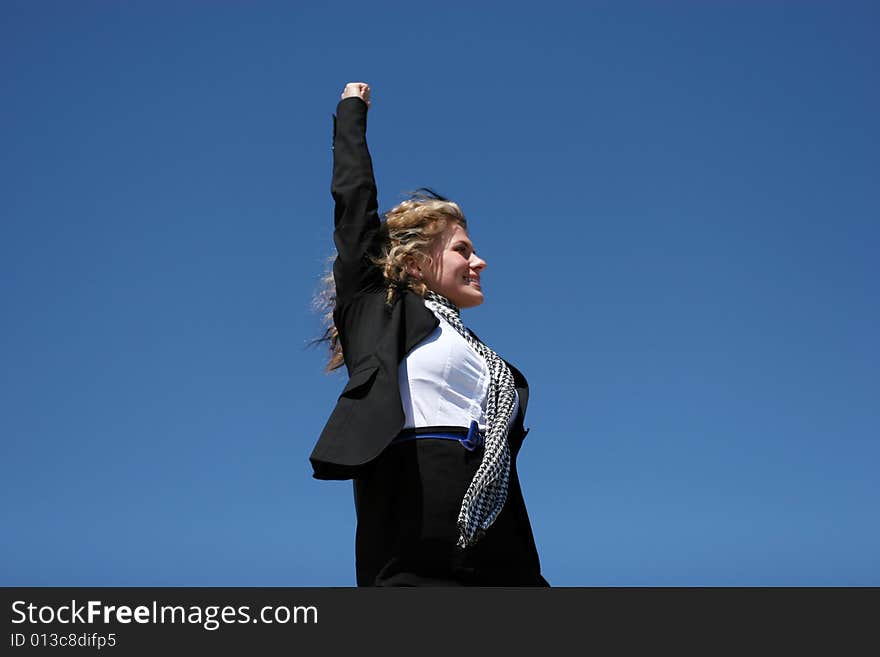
x,y
419,321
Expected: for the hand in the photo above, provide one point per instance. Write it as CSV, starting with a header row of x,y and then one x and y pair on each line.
x,y
357,90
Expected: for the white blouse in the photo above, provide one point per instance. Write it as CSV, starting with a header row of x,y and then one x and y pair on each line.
x,y
444,382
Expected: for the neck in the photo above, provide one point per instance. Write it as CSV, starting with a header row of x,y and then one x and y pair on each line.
x,y
439,298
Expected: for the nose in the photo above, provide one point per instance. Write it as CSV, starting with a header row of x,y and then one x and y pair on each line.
x,y
477,263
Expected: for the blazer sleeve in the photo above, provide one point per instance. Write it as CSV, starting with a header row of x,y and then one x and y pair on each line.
x,y
356,212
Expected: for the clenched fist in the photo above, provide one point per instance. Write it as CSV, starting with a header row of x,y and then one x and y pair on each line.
x,y
357,90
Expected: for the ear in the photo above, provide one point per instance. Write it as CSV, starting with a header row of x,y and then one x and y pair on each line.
x,y
412,268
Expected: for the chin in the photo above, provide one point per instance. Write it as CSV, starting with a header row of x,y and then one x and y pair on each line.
x,y
470,299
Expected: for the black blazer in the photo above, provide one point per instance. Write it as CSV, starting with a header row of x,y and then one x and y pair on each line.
x,y
375,336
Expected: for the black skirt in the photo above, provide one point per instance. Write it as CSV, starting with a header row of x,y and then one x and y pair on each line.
x,y
407,506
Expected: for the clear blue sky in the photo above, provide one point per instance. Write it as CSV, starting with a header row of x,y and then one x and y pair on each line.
x,y
678,202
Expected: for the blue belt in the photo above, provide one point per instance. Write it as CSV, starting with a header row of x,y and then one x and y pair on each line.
x,y
471,438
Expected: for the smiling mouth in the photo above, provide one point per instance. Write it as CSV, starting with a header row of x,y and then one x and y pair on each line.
x,y
472,281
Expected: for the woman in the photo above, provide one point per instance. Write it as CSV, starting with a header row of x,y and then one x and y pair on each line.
x,y
431,420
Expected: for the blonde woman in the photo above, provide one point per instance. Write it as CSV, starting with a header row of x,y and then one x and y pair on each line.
x,y
430,422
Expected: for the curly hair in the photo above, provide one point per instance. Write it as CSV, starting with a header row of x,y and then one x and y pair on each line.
x,y
408,235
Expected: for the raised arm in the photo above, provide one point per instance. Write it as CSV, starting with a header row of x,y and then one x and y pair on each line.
x,y
356,216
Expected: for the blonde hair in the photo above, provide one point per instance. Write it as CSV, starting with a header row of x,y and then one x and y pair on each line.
x,y
409,233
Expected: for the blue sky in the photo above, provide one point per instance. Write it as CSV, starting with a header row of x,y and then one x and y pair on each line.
x,y
677,201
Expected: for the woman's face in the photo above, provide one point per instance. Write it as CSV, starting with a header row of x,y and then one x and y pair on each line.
x,y
455,270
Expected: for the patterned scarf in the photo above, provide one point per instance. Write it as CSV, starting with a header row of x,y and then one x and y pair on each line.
x,y
487,491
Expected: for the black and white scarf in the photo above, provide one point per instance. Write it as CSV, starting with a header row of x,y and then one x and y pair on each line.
x,y
487,491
